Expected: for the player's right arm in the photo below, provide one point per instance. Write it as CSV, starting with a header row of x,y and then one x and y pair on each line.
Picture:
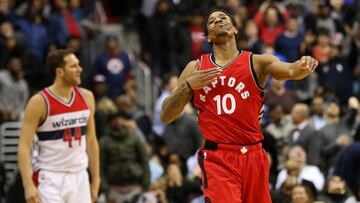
x,y
190,79
35,112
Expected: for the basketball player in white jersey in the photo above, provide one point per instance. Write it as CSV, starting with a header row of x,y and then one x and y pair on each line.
x,y
62,118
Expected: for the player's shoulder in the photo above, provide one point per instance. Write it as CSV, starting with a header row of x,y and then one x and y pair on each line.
x,y
36,105
37,99
264,58
87,93
88,96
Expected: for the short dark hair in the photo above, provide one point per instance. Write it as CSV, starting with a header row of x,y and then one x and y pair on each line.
x,y
323,31
166,79
56,59
206,31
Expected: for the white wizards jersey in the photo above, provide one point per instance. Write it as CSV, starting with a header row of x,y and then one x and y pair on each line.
x,y
61,137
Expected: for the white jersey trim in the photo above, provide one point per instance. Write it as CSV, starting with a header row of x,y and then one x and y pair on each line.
x,y
61,101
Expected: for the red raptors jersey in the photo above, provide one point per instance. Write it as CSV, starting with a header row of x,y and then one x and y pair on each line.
x,y
230,107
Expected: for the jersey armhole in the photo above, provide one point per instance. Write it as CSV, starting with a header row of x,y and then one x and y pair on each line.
x,y
253,73
47,109
85,99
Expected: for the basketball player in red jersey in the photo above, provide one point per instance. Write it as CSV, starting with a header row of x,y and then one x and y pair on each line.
x,y
62,117
227,89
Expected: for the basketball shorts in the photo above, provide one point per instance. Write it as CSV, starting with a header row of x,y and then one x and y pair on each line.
x,y
234,173
62,187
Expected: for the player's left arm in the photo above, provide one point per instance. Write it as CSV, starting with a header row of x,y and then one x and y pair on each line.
x,y
92,146
268,65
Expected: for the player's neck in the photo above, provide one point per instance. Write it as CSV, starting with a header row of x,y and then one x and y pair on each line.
x,y
224,53
61,90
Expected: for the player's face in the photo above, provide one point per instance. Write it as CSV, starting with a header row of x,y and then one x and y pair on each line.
x,y
72,70
219,26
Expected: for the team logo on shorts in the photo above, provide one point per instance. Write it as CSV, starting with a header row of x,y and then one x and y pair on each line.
x,y
207,200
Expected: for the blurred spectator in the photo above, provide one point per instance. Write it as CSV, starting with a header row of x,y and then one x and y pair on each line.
x,y
279,127
156,165
120,11
131,90
283,194
169,83
322,48
343,13
278,94
115,65
288,43
337,69
297,166
156,194
354,57
304,89
104,105
239,12
304,134
36,6
297,10
162,32
14,91
175,187
301,194
348,167
322,18
197,35
65,23
137,119
335,136
183,136
280,124
308,43
270,20
318,119
32,24
4,10
124,163
10,43
354,120
242,42
336,191
253,42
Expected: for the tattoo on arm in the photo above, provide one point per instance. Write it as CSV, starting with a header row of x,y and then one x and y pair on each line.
x,y
175,103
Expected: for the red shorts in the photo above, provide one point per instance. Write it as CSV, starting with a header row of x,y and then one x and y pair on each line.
x,y
235,173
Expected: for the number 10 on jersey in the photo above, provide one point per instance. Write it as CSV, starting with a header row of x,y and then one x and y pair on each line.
x,y
221,104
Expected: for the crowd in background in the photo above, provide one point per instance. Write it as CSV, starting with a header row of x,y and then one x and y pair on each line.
x,y
311,127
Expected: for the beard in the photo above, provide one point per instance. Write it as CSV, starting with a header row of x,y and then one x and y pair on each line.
x,y
72,81
222,33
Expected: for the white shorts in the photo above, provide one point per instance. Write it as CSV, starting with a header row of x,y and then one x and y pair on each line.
x,y
60,187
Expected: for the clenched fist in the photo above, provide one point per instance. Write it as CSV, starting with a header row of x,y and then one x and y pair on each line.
x,y
308,63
